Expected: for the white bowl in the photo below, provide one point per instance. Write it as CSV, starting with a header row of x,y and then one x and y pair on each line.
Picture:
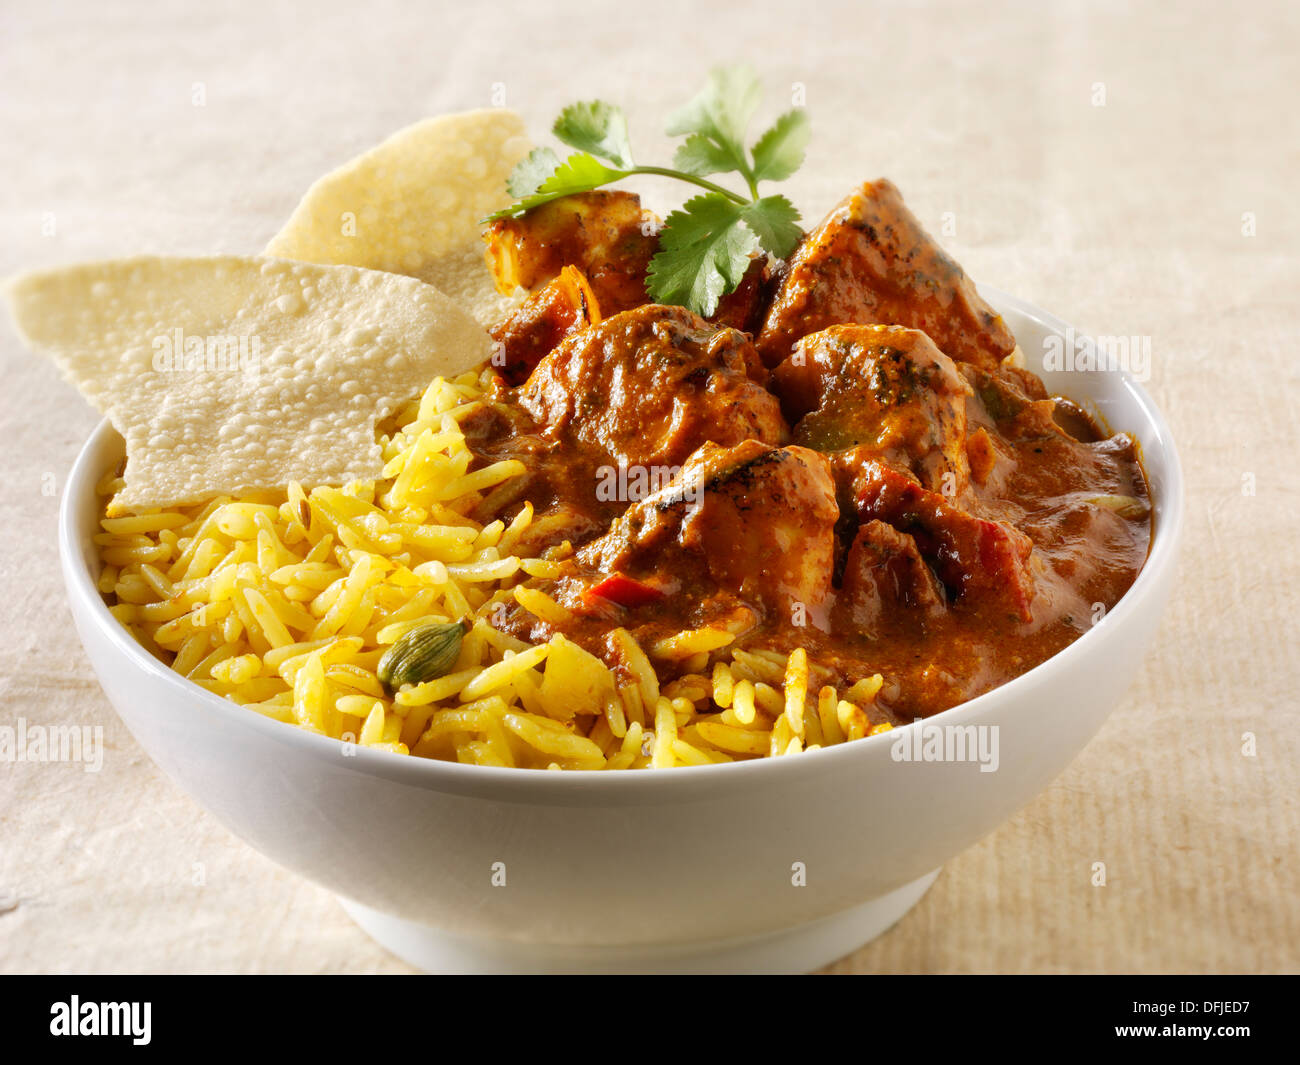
x,y
686,870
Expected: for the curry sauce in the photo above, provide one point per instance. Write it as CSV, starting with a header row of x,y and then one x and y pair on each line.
x,y
868,475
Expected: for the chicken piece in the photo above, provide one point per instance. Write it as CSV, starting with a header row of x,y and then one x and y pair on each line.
x,y
879,392
1014,401
883,575
649,386
752,520
605,234
744,306
870,261
563,307
984,563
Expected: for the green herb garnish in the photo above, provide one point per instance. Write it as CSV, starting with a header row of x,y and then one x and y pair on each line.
x,y
706,244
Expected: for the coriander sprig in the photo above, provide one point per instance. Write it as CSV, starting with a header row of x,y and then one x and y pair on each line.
x,y
706,244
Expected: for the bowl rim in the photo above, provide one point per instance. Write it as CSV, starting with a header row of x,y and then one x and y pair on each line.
x,y
684,781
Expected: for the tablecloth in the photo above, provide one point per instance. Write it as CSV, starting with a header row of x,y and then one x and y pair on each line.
x,y
1131,167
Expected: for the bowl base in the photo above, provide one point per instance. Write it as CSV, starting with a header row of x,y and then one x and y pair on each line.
x,y
799,949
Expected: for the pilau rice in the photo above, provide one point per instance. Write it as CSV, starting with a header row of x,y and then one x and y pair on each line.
x,y
285,602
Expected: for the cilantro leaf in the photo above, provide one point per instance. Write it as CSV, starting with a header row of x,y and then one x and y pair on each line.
x,y
705,246
578,173
779,152
723,108
704,251
529,173
700,156
720,113
597,128
774,220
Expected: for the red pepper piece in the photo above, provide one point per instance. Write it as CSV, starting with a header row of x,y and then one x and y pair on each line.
x,y
626,591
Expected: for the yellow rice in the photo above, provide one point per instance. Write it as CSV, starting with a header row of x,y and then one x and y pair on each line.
x,y
285,602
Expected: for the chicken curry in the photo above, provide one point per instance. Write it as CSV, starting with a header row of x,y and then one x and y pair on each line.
x,y
847,457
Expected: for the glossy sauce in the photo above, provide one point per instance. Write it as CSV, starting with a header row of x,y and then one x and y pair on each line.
x,y
896,499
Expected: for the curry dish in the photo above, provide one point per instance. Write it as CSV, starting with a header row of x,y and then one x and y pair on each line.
x,y
529,477
847,457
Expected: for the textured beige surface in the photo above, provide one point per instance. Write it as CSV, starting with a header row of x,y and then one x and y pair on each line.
x,y
1125,218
